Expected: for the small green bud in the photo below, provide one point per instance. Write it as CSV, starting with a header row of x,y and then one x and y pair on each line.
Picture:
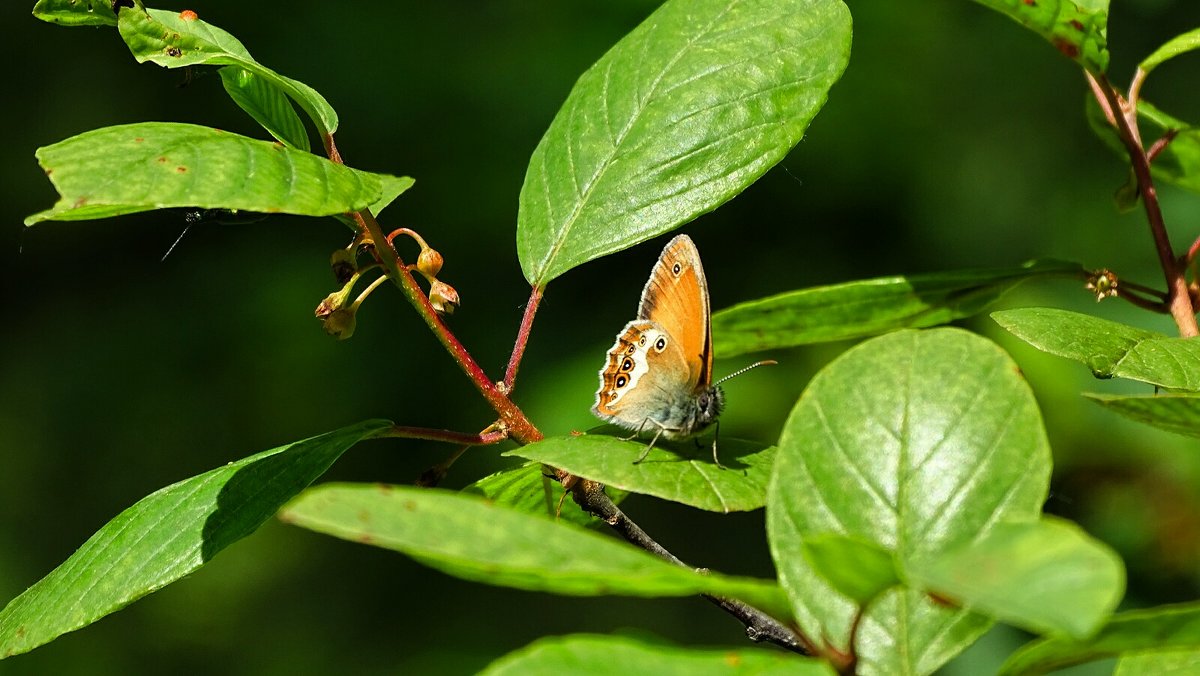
x,y
339,323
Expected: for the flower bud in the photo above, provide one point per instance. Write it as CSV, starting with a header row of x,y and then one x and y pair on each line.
x,y
443,297
429,262
1103,283
339,323
344,264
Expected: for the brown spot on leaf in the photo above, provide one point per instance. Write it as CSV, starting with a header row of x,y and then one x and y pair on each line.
x,y
366,539
1030,3
173,51
181,170
364,516
162,159
733,659
1068,48
188,15
277,145
139,139
82,201
1076,25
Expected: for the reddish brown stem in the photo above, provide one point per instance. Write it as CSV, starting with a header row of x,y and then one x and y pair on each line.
x,y
1125,120
447,436
514,362
513,419
1161,144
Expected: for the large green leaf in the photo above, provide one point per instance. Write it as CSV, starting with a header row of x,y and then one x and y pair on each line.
x,y
1108,348
167,535
868,307
152,165
681,115
1163,628
76,12
478,540
587,654
916,442
1046,576
1179,413
1178,163
677,471
171,40
266,104
1077,28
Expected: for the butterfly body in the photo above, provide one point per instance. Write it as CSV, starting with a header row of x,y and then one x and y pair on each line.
x,y
657,377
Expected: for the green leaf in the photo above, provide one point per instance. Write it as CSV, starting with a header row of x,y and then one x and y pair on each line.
x,y
392,187
167,39
1108,348
153,165
1179,413
676,471
167,535
1046,576
1180,44
868,307
1178,163
1077,28
1162,628
583,654
678,117
76,12
1160,663
859,570
916,442
486,542
266,104
526,489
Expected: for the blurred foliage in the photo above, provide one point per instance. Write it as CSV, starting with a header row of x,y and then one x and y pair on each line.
x,y
954,140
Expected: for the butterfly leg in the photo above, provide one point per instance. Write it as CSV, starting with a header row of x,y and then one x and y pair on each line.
x,y
661,428
717,433
637,432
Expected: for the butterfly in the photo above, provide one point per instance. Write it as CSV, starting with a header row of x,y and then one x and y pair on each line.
x,y
658,374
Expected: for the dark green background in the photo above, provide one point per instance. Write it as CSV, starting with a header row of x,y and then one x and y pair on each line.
x,y
955,139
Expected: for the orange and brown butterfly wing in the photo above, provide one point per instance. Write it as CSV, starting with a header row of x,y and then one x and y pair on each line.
x,y
676,298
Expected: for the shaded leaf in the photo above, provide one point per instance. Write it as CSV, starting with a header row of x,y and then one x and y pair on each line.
x,y
1180,44
76,12
1107,348
266,104
167,39
679,116
868,307
583,654
1046,576
1076,28
944,442
859,570
676,471
1179,413
1178,163
1162,628
154,165
486,542
167,535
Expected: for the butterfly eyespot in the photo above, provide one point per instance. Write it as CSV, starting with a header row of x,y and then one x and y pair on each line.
x,y
627,365
660,344
631,350
676,268
621,380
642,341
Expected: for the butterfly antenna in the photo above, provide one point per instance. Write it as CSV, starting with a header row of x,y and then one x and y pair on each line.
x,y
765,362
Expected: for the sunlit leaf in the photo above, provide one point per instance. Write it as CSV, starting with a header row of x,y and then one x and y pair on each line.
x,y
1107,348
266,104
527,489
1046,576
678,117
915,442
167,535
1163,628
154,165
868,307
1180,44
679,471
173,41
1077,28
76,12
587,654
482,541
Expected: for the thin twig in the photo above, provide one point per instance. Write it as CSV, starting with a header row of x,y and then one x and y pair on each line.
x,y
514,362
760,626
1161,144
1180,302
448,436
519,427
